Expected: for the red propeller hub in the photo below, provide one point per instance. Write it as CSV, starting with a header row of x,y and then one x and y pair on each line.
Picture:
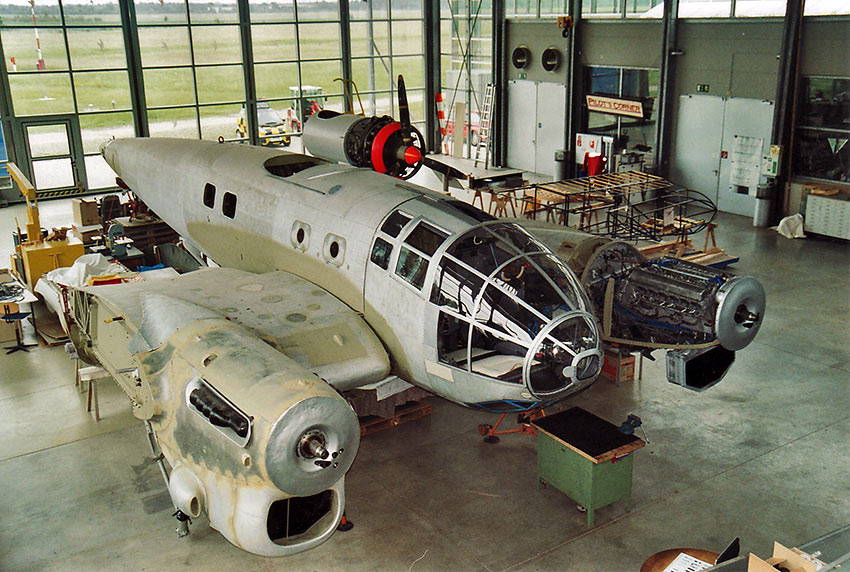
x,y
412,156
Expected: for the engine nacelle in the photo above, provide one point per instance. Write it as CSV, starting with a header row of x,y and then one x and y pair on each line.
x,y
375,143
254,439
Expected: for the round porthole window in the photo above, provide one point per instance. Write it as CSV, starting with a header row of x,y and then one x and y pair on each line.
x,y
334,249
551,59
300,235
521,57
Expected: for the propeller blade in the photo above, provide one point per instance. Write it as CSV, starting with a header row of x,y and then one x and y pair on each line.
x,y
403,112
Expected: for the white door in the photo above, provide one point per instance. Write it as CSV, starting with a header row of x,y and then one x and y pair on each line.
x,y
522,113
696,149
551,110
743,117
704,147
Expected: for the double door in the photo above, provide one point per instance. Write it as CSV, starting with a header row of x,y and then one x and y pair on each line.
x,y
709,135
536,123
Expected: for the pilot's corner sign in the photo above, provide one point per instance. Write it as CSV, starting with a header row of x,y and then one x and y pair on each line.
x,y
615,106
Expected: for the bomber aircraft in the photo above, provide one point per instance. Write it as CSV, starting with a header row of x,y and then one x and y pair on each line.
x,y
332,277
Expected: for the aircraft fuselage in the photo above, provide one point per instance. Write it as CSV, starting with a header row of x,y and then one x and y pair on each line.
x,y
472,309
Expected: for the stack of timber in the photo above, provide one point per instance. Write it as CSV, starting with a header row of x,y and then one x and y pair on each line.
x,y
410,411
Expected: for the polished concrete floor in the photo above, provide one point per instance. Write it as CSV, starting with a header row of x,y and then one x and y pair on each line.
x,y
765,456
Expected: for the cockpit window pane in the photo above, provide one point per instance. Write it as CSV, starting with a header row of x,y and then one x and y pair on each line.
x,y
411,267
456,286
565,355
426,238
501,312
496,357
480,250
539,293
394,223
452,338
517,237
572,293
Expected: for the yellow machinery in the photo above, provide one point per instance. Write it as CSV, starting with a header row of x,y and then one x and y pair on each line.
x,y
37,255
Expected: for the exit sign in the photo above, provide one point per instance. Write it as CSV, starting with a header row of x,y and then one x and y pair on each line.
x,y
702,88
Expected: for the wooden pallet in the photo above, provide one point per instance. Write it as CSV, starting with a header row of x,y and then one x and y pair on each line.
x,y
410,411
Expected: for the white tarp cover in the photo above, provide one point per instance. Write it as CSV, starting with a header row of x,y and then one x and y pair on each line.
x,y
791,227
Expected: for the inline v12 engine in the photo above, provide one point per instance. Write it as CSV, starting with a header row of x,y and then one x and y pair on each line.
x,y
702,315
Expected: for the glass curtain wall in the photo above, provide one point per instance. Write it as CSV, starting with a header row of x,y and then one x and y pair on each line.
x,y
821,149
297,51
388,39
191,60
68,59
466,38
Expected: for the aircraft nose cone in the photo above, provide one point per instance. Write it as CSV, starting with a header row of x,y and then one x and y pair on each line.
x,y
740,312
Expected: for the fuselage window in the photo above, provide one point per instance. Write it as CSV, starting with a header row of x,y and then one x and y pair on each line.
x,y
394,223
228,205
412,267
412,264
425,238
209,195
381,253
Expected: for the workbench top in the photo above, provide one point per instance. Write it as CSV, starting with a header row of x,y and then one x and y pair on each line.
x,y
588,435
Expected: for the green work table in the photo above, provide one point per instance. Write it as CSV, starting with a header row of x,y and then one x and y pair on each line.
x,y
586,458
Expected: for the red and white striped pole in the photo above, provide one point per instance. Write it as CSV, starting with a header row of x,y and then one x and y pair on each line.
x,y
441,115
40,63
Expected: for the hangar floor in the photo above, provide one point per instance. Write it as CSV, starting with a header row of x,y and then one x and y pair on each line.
x,y
764,455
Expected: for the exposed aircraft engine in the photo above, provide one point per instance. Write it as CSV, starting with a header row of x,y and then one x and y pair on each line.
x,y
379,143
703,314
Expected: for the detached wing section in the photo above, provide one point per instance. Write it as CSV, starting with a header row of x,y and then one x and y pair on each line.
x,y
296,317
225,365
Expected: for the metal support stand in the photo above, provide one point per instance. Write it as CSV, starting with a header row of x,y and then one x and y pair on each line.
x,y
183,520
19,342
344,524
524,426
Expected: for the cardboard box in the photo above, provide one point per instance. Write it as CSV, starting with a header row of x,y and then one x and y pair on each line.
x,y
618,367
7,331
792,559
85,212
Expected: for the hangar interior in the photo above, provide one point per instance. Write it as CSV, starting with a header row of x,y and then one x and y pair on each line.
x,y
687,91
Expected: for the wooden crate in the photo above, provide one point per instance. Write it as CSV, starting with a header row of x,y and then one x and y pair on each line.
x,y
618,367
